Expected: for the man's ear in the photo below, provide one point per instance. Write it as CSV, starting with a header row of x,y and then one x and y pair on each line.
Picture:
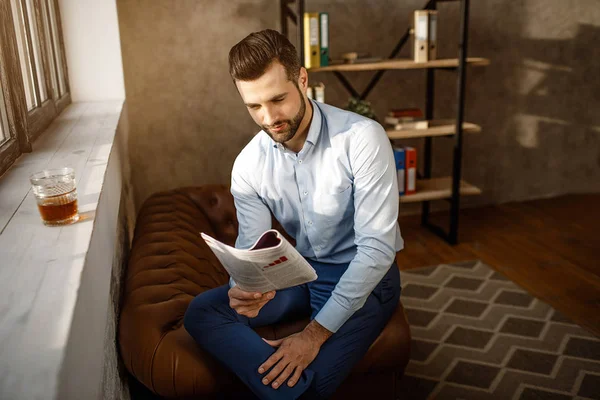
x,y
303,79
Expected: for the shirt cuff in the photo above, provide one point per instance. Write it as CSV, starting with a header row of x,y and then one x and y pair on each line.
x,y
332,316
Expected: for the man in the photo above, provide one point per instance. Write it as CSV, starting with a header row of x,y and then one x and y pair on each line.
x,y
328,176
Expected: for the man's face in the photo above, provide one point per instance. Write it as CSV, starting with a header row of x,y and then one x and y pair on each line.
x,y
275,103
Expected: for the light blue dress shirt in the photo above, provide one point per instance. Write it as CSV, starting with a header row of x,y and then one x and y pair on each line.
x,y
338,197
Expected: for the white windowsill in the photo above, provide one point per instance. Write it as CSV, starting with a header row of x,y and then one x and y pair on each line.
x,y
41,267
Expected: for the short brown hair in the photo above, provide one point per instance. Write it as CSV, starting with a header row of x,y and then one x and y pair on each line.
x,y
250,58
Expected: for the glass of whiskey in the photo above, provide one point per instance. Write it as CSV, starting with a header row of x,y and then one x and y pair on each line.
x,y
56,196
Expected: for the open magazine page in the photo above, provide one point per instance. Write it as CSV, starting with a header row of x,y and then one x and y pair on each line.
x,y
271,264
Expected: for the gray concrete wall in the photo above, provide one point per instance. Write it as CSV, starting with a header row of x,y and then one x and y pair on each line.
x,y
537,102
187,122
114,374
92,367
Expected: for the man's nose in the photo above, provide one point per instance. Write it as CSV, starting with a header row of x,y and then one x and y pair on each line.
x,y
269,116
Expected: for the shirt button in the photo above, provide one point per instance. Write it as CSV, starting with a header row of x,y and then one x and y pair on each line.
x,y
305,193
300,161
310,222
317,248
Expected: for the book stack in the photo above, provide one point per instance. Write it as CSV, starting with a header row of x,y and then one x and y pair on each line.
x,y
316,40
316,92
359,58
406,169
405,118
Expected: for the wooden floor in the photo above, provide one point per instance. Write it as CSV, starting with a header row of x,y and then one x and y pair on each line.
x,y
549,247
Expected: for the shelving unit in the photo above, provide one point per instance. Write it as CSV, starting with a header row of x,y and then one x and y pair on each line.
x,y
401,64
436,128
438,189
428,188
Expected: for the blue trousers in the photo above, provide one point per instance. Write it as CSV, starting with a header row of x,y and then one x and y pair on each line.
x,y
230,337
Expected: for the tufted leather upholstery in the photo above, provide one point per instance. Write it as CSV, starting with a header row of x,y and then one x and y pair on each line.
x,y
170,264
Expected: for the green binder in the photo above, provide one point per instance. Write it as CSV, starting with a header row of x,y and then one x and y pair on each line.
x,y
324,38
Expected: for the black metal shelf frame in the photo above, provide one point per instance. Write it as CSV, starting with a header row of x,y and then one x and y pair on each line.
x,y
451,236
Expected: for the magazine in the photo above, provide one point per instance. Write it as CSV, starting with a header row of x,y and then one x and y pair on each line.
x,y
272,263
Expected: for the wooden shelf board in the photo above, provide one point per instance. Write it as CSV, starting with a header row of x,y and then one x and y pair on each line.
x,y
401,64
436,128
437,189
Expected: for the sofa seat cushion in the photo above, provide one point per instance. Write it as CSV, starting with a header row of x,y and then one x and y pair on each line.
x,y
169,265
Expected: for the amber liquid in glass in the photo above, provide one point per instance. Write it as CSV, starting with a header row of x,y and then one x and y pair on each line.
x,y
57,209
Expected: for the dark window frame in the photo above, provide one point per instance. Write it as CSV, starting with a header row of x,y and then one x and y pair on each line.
x,y
25,126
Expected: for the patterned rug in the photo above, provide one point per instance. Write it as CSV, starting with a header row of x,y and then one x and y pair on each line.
x,y
477,335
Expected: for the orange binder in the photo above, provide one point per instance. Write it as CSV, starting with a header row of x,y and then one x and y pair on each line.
x,y
411,170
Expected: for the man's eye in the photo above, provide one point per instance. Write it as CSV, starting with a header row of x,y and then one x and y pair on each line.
x,y
278,100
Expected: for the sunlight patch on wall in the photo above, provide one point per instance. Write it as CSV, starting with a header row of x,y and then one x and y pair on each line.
x,y
549,22
526,131
534,74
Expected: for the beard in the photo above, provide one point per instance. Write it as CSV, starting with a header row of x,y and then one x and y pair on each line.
x,y
290,126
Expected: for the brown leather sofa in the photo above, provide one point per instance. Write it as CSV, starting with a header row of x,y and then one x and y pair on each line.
x,y
170,264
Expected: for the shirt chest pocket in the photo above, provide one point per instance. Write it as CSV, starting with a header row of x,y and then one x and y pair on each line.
x,y
335,203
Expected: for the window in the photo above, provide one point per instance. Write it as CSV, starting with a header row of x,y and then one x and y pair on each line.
x,y
4,133
55,48
33,75
27,35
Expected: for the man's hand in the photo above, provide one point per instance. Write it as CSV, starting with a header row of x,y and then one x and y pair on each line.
x,y
248,303
295,353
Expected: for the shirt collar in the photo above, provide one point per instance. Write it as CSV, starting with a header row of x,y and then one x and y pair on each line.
x,y
315,124
313,131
